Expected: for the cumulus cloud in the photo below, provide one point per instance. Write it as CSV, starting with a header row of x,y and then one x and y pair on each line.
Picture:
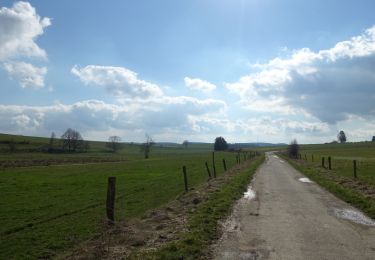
x,y
199,84
149,108
329,84
117,80
20,26
95,115
27,74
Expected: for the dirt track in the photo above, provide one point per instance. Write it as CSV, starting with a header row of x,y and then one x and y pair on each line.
x,y
292,219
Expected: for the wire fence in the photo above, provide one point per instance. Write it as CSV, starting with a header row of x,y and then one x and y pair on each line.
x,y
65,205
360,168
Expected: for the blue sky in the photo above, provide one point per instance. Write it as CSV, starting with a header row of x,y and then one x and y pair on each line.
x,y
246,70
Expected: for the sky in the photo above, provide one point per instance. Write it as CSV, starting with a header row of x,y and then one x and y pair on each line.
x,y
247,70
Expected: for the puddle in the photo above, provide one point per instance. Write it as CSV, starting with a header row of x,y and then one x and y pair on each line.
x,y
275,156
354,216
305,180
249,194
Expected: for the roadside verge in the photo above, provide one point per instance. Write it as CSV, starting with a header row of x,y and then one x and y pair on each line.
x,y
182,229
359,194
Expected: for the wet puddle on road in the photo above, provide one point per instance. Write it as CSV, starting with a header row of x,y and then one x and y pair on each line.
x,y
307,180
249,194
354,216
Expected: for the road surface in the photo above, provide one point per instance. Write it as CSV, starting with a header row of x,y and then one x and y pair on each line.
x,y
285,217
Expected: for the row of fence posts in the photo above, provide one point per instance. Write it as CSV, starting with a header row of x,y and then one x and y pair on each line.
x,y
330,163
111,189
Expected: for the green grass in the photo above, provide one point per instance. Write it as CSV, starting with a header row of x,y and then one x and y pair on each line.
x,y
203,223
342,158
48,209
27,144
29,152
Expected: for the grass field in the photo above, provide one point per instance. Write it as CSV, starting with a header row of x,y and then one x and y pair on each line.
x,y
342,158
47,209
203,225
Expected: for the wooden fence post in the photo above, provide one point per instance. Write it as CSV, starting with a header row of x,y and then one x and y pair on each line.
x,y
208,170
213,164
110,205
312,158
355,168
185,178
225,165
305,157
323,162
329,163
239,158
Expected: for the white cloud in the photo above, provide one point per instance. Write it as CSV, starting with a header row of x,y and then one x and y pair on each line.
x,y
199,84
150,110
100,117
20,26
176,119
27,74
117,80
329,84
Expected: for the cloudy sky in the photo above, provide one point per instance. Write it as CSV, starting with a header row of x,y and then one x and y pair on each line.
x,y
248,70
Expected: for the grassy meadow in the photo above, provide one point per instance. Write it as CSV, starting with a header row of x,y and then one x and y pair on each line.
x,y
46,209
342,156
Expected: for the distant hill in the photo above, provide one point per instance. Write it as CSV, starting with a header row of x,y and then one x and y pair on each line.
x,y
231,145
251,145
36,143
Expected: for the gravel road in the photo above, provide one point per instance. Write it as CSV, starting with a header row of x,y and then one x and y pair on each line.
x,y
284,215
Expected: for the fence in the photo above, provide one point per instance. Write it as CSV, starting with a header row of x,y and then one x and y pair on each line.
x,y
110,202
67,204
356,168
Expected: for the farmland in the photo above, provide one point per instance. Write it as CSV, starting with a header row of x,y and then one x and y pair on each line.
x,y
49,207
342,158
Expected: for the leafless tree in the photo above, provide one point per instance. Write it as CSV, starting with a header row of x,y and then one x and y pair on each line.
x,y
72,141
146,146
293,149
52,140
114,143
12,146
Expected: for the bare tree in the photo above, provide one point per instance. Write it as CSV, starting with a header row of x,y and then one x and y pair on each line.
x,y
114,143
72,141
12,146
341,137
146,146
185,143
293,149
52,140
